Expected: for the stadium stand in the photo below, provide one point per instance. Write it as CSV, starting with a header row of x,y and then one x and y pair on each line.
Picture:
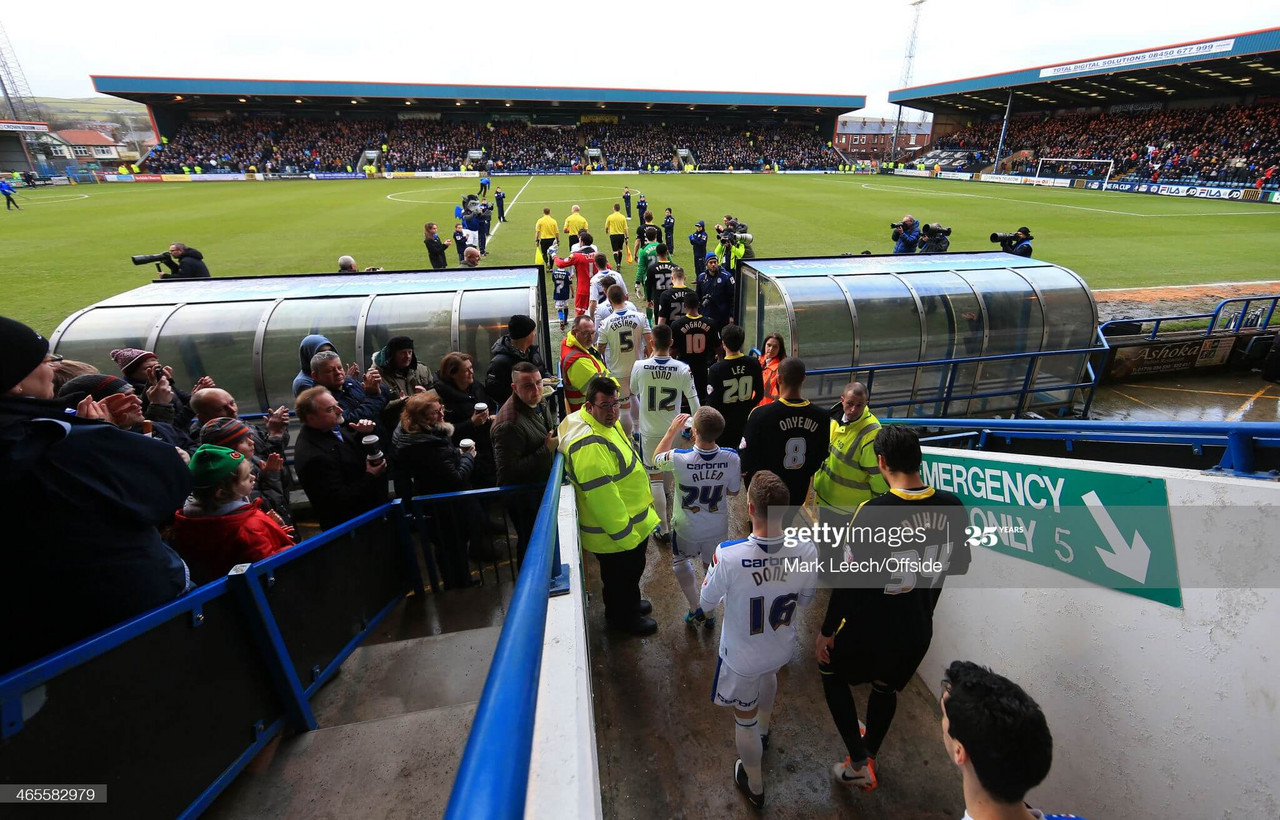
x,y
306,145
1227,145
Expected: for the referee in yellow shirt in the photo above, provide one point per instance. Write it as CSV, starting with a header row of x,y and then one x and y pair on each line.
x,y
573,226
616,226
544,235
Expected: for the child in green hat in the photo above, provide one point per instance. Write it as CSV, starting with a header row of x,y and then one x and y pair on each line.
x,y
219,526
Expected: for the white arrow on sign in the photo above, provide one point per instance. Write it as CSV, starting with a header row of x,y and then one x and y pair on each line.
x,y
1129,561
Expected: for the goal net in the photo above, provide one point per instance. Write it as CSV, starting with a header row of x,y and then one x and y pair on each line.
x,y
1076,168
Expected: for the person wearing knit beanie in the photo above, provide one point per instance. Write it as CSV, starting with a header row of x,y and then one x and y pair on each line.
x,y
520,326
22,352
212,465
127,358
219,526
225,432
97,385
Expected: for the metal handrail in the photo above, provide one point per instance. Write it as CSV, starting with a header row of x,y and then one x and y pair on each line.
x,y
948,396
1238,438
493,779
1235,325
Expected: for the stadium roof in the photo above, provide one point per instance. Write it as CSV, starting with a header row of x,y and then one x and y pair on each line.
x,y
230,93
1228,66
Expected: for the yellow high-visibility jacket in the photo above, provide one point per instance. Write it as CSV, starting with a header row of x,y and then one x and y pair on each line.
x,y
849,476
615,506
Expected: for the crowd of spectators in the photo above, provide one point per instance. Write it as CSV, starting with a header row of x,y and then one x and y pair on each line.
x,y
1232,144
156,490
305,146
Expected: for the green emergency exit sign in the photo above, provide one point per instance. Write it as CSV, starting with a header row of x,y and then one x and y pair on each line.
x,y
1112,530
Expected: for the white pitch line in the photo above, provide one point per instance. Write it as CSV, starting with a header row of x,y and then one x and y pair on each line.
x,y
508,210
1219,213
1257,283
998,198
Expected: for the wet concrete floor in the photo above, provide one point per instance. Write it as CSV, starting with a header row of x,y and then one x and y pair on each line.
x,y
665,751
1224,396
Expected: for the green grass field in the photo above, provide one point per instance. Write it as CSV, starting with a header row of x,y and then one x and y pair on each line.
x,y
70,247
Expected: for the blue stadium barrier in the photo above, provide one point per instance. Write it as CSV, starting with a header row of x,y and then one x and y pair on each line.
x,y
1255,312
1239,439
493,779
168,707
1025,388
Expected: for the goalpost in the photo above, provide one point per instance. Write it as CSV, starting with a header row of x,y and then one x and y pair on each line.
x,y
1109,163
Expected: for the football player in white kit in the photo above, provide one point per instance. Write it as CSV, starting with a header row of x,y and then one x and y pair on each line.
x,y
761,581
706,476
623,338
599,299
604,309
658,384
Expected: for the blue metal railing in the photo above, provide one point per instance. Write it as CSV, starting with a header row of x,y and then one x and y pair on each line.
x,y
494,776
1234,322
265,619
1027,389
1239,439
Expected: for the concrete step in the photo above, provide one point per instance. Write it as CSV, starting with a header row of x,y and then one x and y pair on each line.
x,y
396,678
396,767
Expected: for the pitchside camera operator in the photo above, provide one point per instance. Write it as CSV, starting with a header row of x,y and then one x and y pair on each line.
x,y
934,238
906,234
182,262
1017,243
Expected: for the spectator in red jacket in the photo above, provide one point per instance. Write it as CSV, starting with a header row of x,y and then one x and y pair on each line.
x,y
219,527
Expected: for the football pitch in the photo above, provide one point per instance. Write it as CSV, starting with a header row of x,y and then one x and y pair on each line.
x,y
70,246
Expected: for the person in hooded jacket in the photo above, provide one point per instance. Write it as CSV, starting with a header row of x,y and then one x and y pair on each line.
x,y
311,345
428,462
516,345
460,393
184,263
401,371
80,499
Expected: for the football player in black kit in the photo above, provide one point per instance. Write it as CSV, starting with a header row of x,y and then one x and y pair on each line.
x,y
788,437
694,342
879,623
671,301
736,386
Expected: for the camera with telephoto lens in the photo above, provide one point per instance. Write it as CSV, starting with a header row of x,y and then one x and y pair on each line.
x,y
1004,237
372,452
736,233
934,229
149,258
897,226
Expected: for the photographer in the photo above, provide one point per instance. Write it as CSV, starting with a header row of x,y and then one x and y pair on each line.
x,y
729,249
935,238
906,235
184,263
1017,243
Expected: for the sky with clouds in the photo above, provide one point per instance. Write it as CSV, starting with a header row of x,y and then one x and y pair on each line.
x,y
822,47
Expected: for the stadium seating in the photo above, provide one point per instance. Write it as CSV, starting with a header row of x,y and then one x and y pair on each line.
x,y
1224,145
302,146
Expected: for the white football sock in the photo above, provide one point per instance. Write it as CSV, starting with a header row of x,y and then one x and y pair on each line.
x,y
751,750
683,568
764,706
659,492
628,423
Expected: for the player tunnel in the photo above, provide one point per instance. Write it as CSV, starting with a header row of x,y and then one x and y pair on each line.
x,y
1009,314
245,332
